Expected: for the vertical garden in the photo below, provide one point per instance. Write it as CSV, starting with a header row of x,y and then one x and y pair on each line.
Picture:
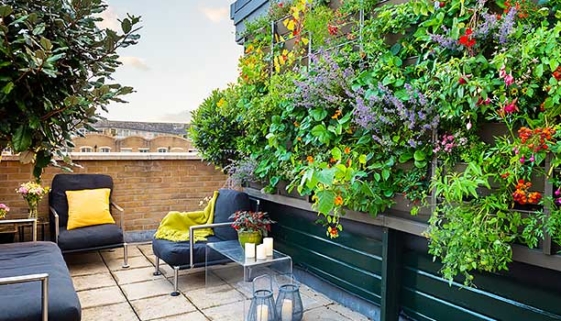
x,y
452,106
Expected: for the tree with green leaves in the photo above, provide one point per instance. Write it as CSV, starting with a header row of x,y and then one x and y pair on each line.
x,y
55,73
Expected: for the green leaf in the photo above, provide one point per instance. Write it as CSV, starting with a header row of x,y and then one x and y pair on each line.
x,y
5,11
386,174
326,201
362,159
126,25
318,114
419,155
8,88
22,138
336,153
319,130
39,29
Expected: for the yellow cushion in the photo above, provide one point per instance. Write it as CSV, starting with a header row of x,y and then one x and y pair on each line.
x,y
88,207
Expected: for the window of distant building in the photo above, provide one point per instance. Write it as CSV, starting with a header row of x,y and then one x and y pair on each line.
x,y
105,149
144,150
126,150
7,151
86,149
177,150
162,150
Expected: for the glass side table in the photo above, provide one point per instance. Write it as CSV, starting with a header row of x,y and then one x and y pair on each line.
x,y
279,263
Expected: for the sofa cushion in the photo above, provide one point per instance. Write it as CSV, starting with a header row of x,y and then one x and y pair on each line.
x,y
22,301
177,253
228,202
88,207
91,237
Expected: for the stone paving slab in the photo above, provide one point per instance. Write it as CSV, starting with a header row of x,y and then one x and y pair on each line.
x,y
87,269
119,253
324,314
210,297
112,312
141,290
162,306
93,281
146,249
102,296
82,258
192,281
127,276
134,262
192,316
355,316
228,312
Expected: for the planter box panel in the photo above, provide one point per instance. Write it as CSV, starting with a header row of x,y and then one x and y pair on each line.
x,y
499,297
356,281
340,255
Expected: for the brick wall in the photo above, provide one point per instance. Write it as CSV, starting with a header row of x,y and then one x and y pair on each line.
x,y
146,186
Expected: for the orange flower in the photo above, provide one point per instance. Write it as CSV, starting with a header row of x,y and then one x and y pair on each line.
x,y
338,113
296,124
333,232
310,159
338,200
347,150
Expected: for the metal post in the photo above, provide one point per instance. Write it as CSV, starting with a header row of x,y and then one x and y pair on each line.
x,y
391,274
45,298
125,256
175,281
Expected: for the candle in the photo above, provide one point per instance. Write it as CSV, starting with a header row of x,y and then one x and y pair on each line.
x,y
262,312
261,254
249,250
268,241
286,312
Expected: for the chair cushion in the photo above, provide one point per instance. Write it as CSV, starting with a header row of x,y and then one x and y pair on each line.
x,y
177,253
22,301
88,207
228,202
72,182
90,237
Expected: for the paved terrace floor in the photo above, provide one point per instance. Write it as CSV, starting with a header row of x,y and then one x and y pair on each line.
x,y
110,293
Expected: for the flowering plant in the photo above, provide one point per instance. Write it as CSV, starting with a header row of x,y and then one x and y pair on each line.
x,y
32,193
3,210
249,221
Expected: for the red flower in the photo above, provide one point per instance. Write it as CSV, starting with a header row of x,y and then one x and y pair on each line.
x,y
333,30
467,39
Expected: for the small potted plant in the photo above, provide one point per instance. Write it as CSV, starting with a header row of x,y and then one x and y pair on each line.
x,y
251,226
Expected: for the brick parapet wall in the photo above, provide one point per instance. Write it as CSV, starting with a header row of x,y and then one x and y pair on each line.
x,y
147,186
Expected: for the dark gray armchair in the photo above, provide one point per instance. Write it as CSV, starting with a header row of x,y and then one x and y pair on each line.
x,y
188,254
97,237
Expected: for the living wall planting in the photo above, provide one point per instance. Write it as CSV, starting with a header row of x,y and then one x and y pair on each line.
x,y
358,104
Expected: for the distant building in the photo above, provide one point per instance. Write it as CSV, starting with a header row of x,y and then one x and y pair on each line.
x,y
143,137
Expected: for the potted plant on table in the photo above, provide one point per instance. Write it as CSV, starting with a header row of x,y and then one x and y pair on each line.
x,y
251,226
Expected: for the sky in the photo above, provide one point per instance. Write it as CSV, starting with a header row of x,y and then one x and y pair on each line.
x,y
186,50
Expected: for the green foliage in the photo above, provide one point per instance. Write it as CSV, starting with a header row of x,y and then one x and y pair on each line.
x,y
56,68
214,129
412,91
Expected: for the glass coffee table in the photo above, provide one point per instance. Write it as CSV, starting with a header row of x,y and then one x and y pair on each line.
x,y
279,263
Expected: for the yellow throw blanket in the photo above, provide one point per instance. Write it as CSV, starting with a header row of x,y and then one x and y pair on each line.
x,y
175,225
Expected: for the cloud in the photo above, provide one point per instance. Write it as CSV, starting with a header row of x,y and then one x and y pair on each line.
x,y
215,14
134,62
109,20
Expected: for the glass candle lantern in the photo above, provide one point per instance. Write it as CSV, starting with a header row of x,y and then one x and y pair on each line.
x,y
289,303
262,307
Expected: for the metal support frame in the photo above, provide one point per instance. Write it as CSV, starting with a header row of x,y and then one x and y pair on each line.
x,y
44,278
24,221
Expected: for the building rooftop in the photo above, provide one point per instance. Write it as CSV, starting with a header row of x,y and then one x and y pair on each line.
x,y
165,128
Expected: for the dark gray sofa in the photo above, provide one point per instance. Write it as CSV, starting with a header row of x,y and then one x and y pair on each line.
x,y
22,301
185,255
